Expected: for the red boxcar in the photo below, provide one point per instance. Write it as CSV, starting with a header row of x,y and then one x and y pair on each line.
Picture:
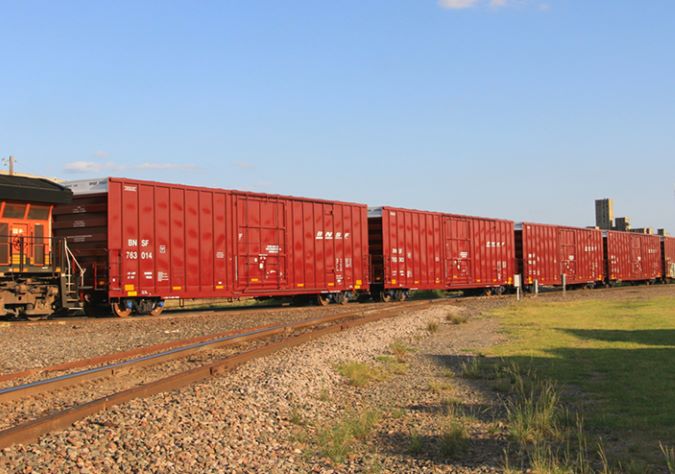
x,y
546,252
668,249
420,250
142,242
632,256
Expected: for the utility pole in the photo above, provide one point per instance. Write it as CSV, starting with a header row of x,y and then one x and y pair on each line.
x,y
10,164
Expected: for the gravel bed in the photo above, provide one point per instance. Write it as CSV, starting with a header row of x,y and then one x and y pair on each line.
x,y
25,346
247,421
242,422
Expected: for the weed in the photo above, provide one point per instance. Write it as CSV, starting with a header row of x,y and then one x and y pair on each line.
x,y
669,455
533,415
372,465
453,438
437,387
471,368
449,373
450,403
397,413
359,374
502,385
400,350
417,445
296,417
392,365
324,395
336,441
432,327
456,318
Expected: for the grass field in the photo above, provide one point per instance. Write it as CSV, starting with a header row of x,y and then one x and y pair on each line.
x,y
615,361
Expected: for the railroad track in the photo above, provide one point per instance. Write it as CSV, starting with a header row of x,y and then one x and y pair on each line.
x,y
174,313
280,336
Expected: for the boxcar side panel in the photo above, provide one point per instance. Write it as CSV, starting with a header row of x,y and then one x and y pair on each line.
x,y
426,250
173,241
407,251
482,252
668,248
548,251
632,257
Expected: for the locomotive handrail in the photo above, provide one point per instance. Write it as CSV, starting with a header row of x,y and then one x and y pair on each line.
x,y
70,259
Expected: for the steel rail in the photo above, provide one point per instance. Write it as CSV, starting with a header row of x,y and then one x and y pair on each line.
x,y
106,358
32,430
150,357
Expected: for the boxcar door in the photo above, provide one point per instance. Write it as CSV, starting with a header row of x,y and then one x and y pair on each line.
x,y
457,251
261,248
568,263
636,256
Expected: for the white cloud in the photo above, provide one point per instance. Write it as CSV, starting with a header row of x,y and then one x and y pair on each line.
x,y
95,166
165,166
244,165
101,154
83,166
463,4
457,4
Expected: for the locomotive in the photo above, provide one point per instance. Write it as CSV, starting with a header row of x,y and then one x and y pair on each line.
x,y
36,277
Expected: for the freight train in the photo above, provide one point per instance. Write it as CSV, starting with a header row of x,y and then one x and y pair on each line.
x,y
131,245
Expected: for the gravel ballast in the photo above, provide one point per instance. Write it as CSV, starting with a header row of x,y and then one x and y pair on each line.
x,y
244,422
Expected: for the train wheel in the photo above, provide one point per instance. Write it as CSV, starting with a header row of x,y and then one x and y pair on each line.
x,y
500,290
341,298
36,317
119,311
322,300
384,296
400,295
158,308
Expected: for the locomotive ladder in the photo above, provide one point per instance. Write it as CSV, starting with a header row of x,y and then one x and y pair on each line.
x,y
72,298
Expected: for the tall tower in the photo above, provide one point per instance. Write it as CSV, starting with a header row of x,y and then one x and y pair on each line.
x,y
604,213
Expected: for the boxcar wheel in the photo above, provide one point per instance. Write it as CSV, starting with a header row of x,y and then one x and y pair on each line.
x,y
36,317
157,309
322,300
400,295
119,311
341,298
385,296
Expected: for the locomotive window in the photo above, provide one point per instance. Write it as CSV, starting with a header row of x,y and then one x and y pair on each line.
x,y
38,213
14,211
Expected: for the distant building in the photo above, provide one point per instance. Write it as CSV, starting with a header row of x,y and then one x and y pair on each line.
x,y
622,223
604,213
643,230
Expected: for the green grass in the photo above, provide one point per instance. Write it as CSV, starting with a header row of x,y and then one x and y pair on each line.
x,y
360,374
614,361
471,368
400,350
337,441
392,365
456,318
453,438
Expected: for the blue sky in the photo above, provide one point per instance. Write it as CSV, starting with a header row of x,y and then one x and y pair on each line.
x,y
526,109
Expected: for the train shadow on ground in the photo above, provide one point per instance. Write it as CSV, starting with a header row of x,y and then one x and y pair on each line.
x,y
625,394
